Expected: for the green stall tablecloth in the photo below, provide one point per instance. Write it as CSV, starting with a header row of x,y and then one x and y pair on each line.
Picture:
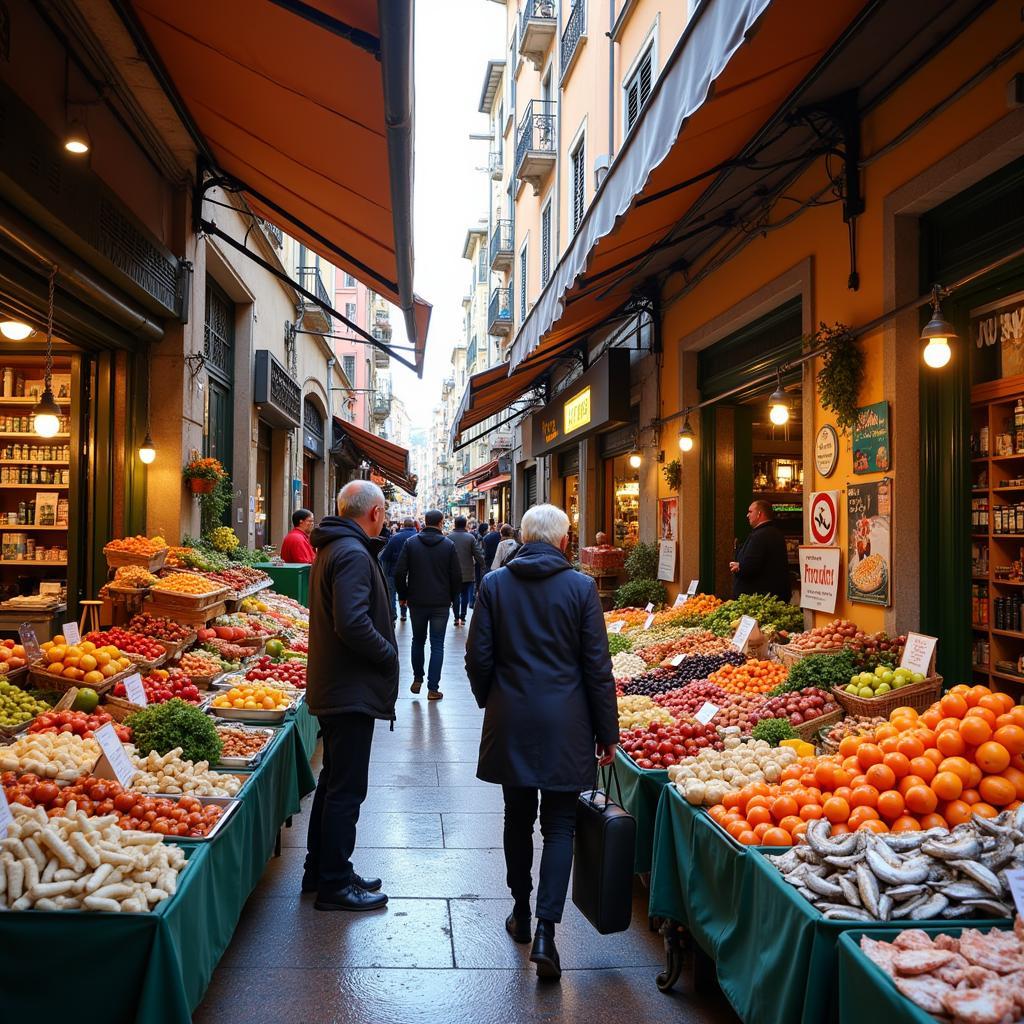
x,y
307,726
163,961
641,791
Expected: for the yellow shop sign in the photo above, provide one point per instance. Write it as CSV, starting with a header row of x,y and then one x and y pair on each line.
x,y
577,411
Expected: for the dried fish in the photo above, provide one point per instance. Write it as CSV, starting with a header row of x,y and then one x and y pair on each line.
x,y
850,892
980,874
847,914
823,887
932,907
965,890
867,886
964,849
902,893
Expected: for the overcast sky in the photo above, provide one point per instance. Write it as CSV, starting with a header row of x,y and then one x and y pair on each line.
x,y
454,41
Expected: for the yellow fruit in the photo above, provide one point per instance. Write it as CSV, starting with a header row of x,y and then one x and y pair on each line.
x,y
238,703
102,658
72,672
87,646
54,654
74,652
92,678
87,662
57,668
108,670
72,662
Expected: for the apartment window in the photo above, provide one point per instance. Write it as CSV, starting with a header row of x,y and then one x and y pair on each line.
x,y
638,88
481,257
350,311
579,183
523,267
348,364
350,281
545,244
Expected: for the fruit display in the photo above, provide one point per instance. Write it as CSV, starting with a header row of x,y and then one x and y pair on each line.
x,y
630,616
102,867
640,711
854,725
252,697
133,576
244,743
254,623
12,656
223,538
688,700
201,664
229,653
698,606
266,669
170,773
140,545
829,637
660,745
85,662
883,680
78,723
737,710
752,676
163,727
707,777
238,577
698,642
61,756
772,615
186,583
184,817
159,628
627,665
972,978
764,814
18,707
127,642
914,876
800,707
163,685
692,667
230,633
617,644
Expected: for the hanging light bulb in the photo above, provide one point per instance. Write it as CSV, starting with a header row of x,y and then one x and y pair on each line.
x,y
76,138
937,333
46,414
635,459
686,436
147,453
778,413
14,330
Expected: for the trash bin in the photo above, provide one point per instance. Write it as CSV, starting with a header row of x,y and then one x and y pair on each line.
x,y
290,579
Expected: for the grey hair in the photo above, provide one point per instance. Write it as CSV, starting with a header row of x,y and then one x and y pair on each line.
x,y
546,523
357,497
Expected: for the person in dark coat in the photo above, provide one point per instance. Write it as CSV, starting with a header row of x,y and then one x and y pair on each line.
x,y
389,559
428,576
538,663
351,681
762,564
481,533
490,544
471,561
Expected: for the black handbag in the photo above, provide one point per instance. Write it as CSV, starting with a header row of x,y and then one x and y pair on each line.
x,y
603,850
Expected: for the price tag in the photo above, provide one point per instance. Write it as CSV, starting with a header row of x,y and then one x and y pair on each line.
x,y
692,589
616,627
135,690
114,762
747,626
706,713
918,653
6,818
681,599
71,634
649,608
1015,877
648,621
677,660
30,642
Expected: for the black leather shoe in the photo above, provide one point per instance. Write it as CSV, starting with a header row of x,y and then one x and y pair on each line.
x,y
350,898
367,884
518,928
545,955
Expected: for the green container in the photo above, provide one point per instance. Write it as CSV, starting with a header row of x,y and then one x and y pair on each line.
x,y
290,579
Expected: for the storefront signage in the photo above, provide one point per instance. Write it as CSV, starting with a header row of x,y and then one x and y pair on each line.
x,y
826,450
667,560
868,524
871,451
999,328
135,691
71,633
599,399
743,632
706,713
824,517
819,578
919,653
275,391
114,762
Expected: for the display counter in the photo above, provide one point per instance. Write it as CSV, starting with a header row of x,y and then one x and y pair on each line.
x,y
290,579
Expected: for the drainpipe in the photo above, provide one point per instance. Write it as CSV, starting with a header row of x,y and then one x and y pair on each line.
x,y
611,80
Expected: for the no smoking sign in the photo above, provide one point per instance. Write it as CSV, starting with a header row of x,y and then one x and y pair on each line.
x,y
824,517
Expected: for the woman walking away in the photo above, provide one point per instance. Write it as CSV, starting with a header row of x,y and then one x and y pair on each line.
x,y
507,547
537,660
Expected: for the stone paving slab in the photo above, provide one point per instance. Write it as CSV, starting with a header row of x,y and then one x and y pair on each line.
x,y
408,799
472,831
376,831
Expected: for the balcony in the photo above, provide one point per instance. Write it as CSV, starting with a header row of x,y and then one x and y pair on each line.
x,y
381,359
499,314
501,246
573,35
495,165
273,232
537,26
535,143
381,406
314,317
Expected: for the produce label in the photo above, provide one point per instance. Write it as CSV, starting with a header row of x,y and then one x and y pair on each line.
x,y
918,653
649,608
747,626
30,642
871,439
681,599
6,818
649,621
868,524
71,634
134,689
1015,876
616,627
706,713
677,660
114,761
667,560
819,578
824,517
692,588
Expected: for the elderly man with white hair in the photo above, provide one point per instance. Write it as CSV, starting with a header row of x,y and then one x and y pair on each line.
x,y
352,680
538,663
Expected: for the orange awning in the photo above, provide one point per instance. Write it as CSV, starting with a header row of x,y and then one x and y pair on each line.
x,y
494,481
308,107
480,473
391,460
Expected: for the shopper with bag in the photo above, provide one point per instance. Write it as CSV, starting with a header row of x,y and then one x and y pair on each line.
x,y
538,663
506,548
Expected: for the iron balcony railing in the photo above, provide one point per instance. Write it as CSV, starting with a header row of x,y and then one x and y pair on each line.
x,y
536,132
501,239
381,332
495,164
311,279
382,404
274,233
573,32
500,309
381,316
536,10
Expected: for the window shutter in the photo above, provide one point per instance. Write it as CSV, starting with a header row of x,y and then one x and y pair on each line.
x,y
645,77
638,88
522,285
545,241
578,184
632,104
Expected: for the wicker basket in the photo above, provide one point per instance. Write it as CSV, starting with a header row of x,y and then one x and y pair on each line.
x,y
119,708
144,665
808,730
789,656
176,647
116,557
44,680
919,696
189,604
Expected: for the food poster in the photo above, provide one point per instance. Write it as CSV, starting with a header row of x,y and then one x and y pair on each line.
x,y
871,450
997,334
669,508
869,522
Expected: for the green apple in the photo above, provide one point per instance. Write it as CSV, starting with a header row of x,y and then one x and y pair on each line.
x,y
917,677
888,676
883,688
865,691
853,688
879,670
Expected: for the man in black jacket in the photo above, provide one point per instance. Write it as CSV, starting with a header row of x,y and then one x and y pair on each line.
x,y
490,544
428,577
351,681
762,564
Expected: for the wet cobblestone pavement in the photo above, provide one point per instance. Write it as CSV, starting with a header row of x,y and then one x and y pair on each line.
x,y
439,951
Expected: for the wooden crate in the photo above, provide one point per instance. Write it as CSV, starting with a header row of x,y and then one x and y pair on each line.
x,y
117,558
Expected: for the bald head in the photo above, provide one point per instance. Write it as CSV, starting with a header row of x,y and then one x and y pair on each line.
x,y
363,503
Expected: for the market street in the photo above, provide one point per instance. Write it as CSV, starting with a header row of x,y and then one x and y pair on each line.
x,y
439,951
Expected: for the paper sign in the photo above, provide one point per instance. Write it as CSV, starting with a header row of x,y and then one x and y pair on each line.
x,y
71,634
747,626
918,652
6,818
1014,876
677,660
134,689
667,560
30,642
616,627
681,599
114,760
706,713
649,608
648,621
819,578
692,588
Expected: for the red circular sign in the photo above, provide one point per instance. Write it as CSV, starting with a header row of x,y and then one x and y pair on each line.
x,y
823,518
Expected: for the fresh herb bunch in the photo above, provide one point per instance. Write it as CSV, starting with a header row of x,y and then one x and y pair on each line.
x,y
617,643
773,730
822,670
162,727
841,375
642,563
640,593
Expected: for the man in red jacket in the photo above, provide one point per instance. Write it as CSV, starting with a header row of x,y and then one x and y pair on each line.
x,y
296,547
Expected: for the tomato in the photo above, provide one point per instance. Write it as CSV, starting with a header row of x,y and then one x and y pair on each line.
x,y
45,793
124,802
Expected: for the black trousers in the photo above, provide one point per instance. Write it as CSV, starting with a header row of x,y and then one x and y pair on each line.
x,y
340,791
557,826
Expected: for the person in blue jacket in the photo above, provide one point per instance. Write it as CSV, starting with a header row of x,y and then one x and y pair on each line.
x,y
389,560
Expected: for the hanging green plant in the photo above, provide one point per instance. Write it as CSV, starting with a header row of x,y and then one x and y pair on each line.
x,y
673,473
841,375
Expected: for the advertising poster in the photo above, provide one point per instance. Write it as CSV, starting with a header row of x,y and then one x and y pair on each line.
x,y
869,564
819,578
667,561
669,528
871,451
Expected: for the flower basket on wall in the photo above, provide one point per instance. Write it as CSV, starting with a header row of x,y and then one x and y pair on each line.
x,y
200,486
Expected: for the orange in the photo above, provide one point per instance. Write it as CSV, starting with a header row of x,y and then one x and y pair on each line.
x,y
790,785
777,837
908,781
920,800
902,724
959,766
898,764
924,767
873,825
868,754
947,785
836,810
884,731
792,771
911,747
950,742
984,713
811,812
947,723
861,814
903,711
934,755
953,705
992,758
717,812
956,812
891,805
840,828
790,822
973,774
825,775
970,795
758,801
984,810
1017,713
736,828
881,776
905,824
889,745
993,702
974,695
858,780
783,806
799,829
843,792
864,796
933,821
747,838
997,791
1016,777
1011,737
932,717
759,830
848,745
851,764
807,796
759,815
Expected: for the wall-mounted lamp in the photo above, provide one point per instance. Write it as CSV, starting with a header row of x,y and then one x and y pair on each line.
x,y
937,333
779,411
686,436
635,459
76,138
14,330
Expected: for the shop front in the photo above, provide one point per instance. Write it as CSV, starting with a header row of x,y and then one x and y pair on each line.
x,y
313,465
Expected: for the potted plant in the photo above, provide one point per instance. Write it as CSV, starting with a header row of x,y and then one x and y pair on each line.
x,y
203,474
